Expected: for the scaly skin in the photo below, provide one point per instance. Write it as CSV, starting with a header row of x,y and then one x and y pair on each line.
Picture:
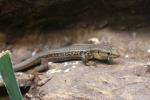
x,y
84,52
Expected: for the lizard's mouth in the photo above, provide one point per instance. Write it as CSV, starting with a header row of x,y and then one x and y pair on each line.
x,y
112,56
114,53
115,56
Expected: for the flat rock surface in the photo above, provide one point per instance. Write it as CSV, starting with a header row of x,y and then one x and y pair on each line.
x,y
127,81
127,78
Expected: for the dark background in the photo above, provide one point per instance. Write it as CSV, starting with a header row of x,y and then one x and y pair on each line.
x,y
19,16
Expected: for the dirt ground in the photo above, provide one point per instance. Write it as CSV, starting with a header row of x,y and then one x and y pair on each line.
x,y
128,78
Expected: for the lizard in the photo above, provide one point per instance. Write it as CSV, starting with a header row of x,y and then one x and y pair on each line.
x,y
84,52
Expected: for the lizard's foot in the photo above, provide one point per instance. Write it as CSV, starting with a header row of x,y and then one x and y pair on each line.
x,y
90,63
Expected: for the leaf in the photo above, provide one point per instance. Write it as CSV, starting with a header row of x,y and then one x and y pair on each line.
x,y
8,76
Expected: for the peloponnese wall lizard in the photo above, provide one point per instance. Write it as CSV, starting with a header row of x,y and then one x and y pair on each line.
x,y
84,52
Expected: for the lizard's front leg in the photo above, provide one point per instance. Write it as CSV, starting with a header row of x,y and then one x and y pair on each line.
x,y
86,58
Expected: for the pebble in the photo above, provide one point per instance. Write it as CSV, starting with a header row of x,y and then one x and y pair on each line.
x,y
74,63
66,63
67,70
53,71
34,52
126,56
50,63
73,66
94,40
148,50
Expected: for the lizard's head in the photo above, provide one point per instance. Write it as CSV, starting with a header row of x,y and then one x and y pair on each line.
x,y
113,53
106,52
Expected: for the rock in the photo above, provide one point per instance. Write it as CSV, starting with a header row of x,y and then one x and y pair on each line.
x,y
24,80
